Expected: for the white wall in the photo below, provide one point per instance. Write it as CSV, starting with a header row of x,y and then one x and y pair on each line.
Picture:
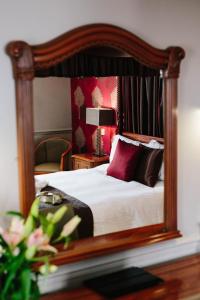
x,y
159,22
52,104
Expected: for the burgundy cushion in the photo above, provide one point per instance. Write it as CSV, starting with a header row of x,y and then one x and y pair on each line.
x,y
124,161
149,166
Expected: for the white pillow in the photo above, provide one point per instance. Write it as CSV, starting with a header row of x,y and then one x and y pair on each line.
x,y
122,138
154,145
39,184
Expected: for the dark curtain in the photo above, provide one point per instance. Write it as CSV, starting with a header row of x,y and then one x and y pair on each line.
x,y
89,65
140,102
140,88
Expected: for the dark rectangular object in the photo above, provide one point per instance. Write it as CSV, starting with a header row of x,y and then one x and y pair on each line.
x,y
122,282
99,116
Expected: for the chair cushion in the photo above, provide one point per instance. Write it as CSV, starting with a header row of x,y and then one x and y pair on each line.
x,y
51,151
54,150
47,167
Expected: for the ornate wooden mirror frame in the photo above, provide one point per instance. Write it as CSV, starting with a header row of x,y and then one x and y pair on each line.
x,y
26,59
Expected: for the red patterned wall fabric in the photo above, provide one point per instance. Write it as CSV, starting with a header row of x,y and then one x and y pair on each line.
x,y
91,92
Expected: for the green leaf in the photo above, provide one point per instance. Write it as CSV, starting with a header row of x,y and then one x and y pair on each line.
x,y
34,211
29,225
44,222
16,295
43,258
26,283
4,244
67,240
35,292
11,272
15,213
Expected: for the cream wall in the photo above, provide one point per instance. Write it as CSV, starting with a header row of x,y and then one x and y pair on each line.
x,y
52,104
159,22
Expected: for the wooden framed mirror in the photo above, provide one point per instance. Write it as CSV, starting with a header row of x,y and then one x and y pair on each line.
x,y
28,59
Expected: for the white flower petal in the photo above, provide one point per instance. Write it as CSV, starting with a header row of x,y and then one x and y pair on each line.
x,y
17,226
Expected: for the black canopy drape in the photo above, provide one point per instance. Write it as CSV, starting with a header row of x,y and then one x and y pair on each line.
x,y
99,66
140,104
140,98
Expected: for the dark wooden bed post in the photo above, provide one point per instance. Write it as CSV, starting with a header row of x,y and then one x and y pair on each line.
x,y
171,74
23,70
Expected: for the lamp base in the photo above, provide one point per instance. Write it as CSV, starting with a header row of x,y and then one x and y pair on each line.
x,y
99,154
98,151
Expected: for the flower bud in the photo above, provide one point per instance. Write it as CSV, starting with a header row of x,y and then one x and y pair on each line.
x,y
44,269
53,268
35,208
50,230
30,252
70,226
49,216
59,214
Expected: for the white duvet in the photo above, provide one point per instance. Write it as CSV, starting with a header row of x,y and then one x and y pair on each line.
x,y
116,205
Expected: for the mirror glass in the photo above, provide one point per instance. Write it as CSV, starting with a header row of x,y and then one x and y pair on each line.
x,y
105,203
90,97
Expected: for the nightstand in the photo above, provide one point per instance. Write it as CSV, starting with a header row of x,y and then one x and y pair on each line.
x,y
88,160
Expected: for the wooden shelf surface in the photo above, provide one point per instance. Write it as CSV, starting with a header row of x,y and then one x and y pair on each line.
x,y
182,281
91,157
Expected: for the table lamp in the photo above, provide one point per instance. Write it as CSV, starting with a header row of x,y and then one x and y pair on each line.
x,y
99,117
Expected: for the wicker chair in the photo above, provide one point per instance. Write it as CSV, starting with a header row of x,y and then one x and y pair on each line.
x,y
52,155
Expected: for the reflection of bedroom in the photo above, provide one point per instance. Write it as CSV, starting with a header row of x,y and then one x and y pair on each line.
x,y
115,200
62,116
161,24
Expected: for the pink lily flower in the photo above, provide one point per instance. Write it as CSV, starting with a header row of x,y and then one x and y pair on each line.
x,y
39,240
15,234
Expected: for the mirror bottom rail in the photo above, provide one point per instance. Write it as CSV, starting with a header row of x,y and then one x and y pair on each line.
x,y
110,243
